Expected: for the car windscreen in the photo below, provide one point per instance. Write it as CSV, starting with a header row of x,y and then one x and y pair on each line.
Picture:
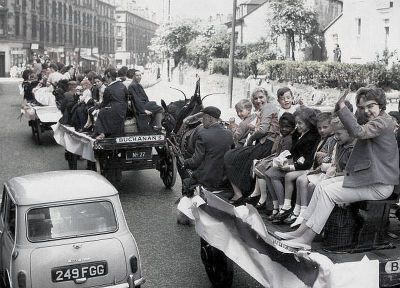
x,y
73,220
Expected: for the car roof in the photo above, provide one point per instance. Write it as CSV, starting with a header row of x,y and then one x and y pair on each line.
x,y
59,186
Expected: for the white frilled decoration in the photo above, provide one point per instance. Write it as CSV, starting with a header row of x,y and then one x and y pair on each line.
x,y
73,141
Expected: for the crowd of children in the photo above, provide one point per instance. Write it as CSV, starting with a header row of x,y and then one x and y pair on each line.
x,y
285,154
94,104
312,147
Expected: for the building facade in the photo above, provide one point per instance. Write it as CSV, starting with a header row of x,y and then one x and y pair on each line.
x,y
252,24
366,28
133,35
79,32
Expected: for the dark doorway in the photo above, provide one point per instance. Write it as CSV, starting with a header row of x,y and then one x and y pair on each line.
x,y
2,64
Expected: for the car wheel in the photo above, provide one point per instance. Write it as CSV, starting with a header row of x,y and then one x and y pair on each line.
x,y
219,268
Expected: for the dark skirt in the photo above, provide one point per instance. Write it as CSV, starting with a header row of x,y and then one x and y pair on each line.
x,y
110,121
238,164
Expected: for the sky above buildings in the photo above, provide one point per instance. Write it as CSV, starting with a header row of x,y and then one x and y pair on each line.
x,y
188,8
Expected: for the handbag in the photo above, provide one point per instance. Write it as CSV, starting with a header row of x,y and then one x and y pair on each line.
x,y
261,166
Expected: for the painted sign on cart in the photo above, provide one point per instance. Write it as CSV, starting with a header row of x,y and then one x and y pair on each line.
x,y
140,138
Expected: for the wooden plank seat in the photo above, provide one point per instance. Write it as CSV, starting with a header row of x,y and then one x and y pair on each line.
x,y
374,219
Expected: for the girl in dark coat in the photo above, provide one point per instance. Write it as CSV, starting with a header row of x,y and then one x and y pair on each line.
x,y
111,118
304,143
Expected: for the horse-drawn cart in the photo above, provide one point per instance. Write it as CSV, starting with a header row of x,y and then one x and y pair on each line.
x,y
41,118
111,156
363,251
366,255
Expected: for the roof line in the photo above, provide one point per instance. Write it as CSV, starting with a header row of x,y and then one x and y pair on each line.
x,y
332,22
241,18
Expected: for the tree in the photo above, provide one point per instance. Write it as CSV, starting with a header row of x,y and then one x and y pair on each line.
x,y
295,21
171,39
213,42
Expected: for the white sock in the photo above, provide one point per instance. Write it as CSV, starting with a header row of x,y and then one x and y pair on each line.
x,y
275,204
287,204
255,193
280,207
303,209
296,210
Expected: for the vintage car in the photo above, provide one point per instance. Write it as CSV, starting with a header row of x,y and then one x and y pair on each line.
x,y
65,229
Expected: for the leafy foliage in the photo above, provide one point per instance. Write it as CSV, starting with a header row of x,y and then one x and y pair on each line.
x,y
171,39
387,57
259,52
319,74
221,66
295,21
213,42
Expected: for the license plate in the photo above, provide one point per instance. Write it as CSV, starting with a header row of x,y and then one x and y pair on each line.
x,y
392,267
138,154
72,272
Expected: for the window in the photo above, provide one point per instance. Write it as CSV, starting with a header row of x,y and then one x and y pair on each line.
x,y
3,202
41,7
386,36
24,25
41,33
119,44
358,23
54,32
69,221
34,28
54,9
391,4
11,217
17,29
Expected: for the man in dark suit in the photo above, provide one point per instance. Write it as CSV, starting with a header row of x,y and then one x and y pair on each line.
x,y
211,145
143,105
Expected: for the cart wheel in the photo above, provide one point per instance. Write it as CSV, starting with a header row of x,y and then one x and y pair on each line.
x,y
219,268
168,170
38,135
98,166
72,160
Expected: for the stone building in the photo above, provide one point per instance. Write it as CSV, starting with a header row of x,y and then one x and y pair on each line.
x,y
133,35
79,32
364,29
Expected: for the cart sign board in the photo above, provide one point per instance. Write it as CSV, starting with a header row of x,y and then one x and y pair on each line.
x,y
140,138
34,46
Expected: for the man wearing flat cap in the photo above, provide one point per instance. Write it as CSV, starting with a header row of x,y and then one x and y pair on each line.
x,y
212,142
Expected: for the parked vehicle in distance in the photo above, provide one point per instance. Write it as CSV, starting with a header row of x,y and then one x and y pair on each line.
x,y
65,229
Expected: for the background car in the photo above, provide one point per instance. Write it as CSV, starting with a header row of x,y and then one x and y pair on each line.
x,y
65,229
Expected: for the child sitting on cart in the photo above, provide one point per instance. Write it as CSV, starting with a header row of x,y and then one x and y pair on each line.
x,y
306,183
371,171
246,126
287,125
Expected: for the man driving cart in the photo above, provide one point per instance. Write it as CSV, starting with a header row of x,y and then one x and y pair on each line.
x,y
207,162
